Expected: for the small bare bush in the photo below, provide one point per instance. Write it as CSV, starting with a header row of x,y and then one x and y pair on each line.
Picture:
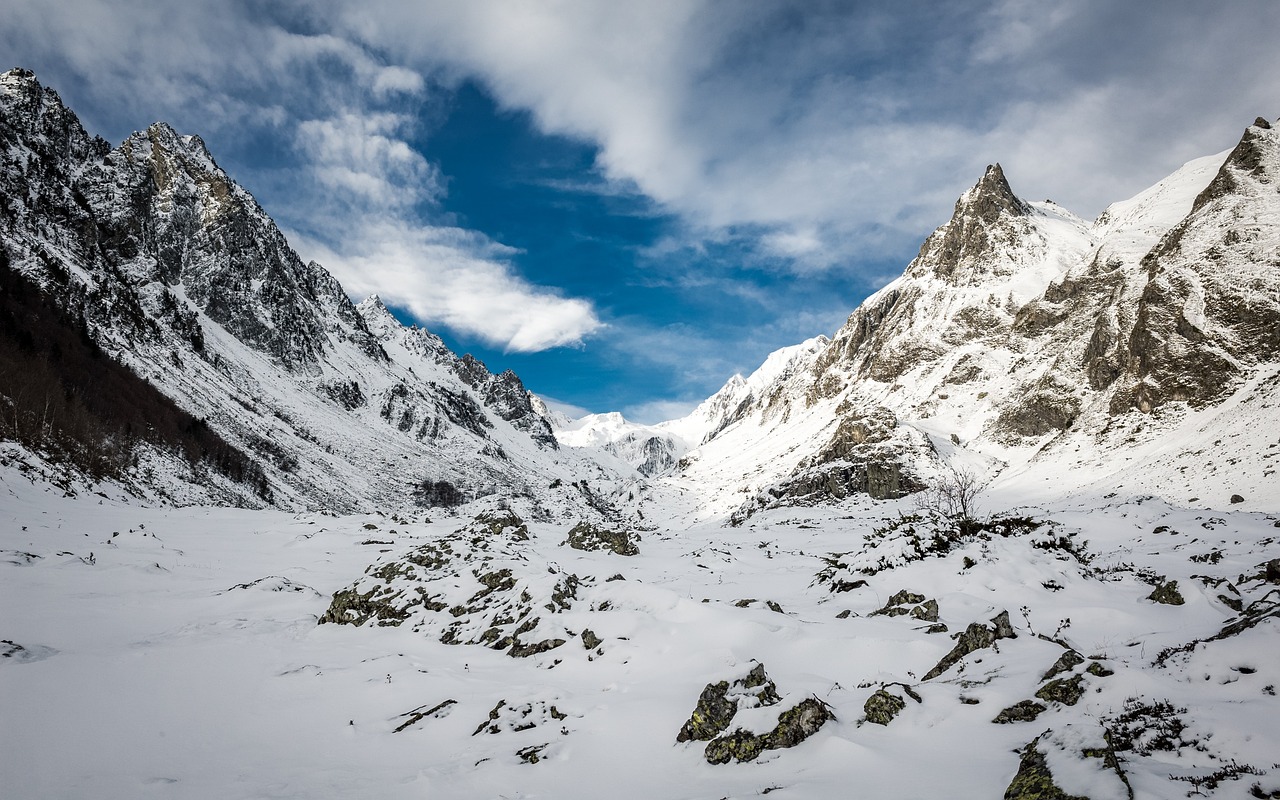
x,y
954,495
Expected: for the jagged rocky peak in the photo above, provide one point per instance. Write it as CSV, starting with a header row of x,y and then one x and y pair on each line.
x,y
988,218
1210,311
508,397
377,317
39,112
158,210
991,198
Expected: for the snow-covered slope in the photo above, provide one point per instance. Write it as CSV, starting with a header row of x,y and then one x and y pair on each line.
x,y
178,652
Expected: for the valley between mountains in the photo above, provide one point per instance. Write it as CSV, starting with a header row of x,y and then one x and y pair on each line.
x,y
1012,531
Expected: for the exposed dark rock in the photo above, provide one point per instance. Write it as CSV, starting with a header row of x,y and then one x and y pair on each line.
x,y
794,726
350,607
976,637
1065,663
585,536
1022,711
589,639
526,650
532,754
418,714
742,745
847,586
1271,571
1067,691
1167,593
900,605
986,216
1034,781
716,708
881,707
1207,314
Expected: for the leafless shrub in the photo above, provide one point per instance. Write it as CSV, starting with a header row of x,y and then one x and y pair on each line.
x,y
954,495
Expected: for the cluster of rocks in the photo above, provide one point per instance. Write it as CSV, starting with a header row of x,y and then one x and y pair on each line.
x,y
719,704
503,607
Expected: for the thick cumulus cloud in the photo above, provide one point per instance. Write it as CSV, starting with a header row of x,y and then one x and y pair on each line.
x,y
469,286
828,128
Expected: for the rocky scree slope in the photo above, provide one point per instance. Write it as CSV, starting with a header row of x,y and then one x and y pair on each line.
x,y
176,272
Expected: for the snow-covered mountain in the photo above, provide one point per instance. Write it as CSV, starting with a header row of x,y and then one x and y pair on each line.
x,y
1022,336
175,271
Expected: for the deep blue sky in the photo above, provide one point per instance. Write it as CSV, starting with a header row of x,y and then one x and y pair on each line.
x,y
627,202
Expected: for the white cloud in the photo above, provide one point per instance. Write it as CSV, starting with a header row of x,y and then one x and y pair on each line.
x,y
836,130
397,80
358,189
454,277
365,154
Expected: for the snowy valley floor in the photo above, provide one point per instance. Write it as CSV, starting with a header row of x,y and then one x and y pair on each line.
x,y
176,653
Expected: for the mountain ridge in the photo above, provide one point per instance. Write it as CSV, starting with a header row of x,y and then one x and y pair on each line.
x,y
181,276
1018,330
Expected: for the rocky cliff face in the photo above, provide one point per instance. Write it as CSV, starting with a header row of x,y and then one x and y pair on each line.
x,y
1210,311
179,274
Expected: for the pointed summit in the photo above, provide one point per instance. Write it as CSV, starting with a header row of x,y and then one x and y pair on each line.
x,y
987,217
991,197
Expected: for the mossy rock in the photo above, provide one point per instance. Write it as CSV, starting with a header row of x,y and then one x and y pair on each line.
x,y
1034,781
798,723
1100,670
1167,594
712,715
1067,691
1023,711
741,745
882,707
715,710
1065,663
585,536
757,678
794,726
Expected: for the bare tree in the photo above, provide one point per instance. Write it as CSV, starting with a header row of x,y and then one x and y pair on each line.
x,y
953,496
